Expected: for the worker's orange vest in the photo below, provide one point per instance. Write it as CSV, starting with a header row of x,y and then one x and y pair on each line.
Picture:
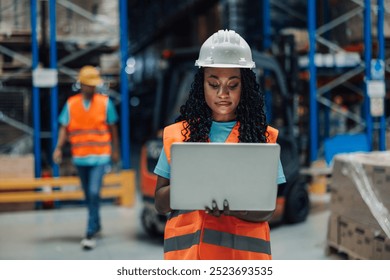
x,y
195,235
88,131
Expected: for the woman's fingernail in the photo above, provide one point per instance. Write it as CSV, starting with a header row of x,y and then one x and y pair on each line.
x,y
225,202
214,204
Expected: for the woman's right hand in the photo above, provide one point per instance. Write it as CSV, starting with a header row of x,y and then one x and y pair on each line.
x,y
162,193
214,211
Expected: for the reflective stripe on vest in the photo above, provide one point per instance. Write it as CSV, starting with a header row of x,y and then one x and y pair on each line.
x,y
88,131
197,235
236,242
181,242
219,238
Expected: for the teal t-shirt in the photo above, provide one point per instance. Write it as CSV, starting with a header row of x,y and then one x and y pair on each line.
x,y
112,117
219,132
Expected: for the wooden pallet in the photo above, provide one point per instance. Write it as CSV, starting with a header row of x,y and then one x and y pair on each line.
x,y
343,252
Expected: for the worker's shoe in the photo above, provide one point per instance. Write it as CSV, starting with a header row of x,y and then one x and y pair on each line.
x,y
88,243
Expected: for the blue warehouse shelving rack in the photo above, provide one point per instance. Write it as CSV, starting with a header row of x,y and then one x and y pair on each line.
x,y
318,37
41,49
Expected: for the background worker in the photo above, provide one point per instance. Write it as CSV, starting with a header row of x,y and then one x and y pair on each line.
x,y
88,122
224,105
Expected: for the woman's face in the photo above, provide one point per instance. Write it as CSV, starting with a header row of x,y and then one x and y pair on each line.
x,y
222,89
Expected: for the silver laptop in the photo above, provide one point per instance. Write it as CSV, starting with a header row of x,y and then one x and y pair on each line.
x,y
244,174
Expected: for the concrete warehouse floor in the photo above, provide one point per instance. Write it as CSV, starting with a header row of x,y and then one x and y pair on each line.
x,y
56,234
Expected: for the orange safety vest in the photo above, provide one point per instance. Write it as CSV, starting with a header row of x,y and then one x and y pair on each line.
x,y
195,235
88,131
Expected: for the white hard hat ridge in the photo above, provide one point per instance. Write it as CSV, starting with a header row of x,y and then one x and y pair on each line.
x,y
226,36
225,49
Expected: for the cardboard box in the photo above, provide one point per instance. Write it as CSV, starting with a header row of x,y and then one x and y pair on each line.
x,y
363,241
347,230
381,248
360,186
333,230
360,201
357,240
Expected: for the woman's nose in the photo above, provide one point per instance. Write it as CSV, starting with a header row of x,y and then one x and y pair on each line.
x,y
223,91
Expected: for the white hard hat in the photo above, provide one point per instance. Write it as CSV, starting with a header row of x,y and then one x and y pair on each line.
x,y
225,49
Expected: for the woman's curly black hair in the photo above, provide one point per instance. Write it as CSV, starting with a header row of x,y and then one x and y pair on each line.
x,y
250,111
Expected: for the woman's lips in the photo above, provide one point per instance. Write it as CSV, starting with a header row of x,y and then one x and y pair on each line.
x,y
223,103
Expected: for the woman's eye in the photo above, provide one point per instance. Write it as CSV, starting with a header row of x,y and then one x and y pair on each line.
x,y
233,86
214,86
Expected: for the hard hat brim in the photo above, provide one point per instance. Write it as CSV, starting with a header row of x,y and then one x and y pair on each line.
x,y
221,65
